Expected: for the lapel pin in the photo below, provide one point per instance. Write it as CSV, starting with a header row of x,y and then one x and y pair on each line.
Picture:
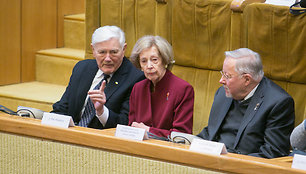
x,y
116,83
167,95
256,107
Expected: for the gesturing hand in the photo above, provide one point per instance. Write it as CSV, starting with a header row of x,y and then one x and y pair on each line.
x,y
98,98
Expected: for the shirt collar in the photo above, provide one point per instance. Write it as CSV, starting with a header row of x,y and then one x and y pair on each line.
x,y
251,93
100,74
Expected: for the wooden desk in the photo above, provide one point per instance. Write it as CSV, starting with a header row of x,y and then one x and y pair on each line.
x,y
176,154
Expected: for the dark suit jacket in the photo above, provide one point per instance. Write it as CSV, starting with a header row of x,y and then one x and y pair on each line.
x,y
117,94
267,123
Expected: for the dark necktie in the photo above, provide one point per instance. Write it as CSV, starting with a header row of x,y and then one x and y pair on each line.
x,y
90,110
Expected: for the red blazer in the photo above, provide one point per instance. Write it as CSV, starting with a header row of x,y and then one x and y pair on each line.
x,y
169,108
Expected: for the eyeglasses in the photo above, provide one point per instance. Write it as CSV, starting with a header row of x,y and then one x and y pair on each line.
x,y
113,52
228,76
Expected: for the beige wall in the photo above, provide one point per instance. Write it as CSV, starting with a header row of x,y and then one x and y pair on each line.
x,y
29,26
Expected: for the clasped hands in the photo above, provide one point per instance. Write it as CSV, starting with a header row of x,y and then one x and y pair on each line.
x,y
143,126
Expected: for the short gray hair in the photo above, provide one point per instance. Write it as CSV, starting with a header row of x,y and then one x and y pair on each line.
x,y
106,33
247,61
163,46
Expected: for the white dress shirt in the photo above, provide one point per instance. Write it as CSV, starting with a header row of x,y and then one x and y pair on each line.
x,y
99,76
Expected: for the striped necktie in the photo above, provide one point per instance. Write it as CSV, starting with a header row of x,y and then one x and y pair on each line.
x,y
90,110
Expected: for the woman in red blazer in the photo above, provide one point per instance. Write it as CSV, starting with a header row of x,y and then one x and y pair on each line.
x,y
162,103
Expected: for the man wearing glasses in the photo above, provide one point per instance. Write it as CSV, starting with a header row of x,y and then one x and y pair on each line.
x,y
98,92
250,114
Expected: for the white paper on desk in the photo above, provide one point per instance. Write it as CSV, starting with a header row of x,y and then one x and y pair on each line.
x,y
58,120
129,132
299,162
281,2
208,147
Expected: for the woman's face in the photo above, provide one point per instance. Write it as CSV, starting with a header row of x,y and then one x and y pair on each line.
x,y
152,64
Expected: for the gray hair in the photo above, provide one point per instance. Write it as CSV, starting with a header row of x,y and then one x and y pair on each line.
x,y
298,136
106,33
163,46
247,61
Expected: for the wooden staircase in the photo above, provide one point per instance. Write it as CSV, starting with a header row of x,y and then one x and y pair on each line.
x,y
53,69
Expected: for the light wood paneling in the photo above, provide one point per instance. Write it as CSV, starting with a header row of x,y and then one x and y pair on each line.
x,y
67,7
42,28
9,41
39,31
29,26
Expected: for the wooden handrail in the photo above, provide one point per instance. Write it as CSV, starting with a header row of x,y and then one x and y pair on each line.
x,y
154,149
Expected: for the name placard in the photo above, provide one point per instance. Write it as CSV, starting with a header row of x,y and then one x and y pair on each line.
x,y
299,162
129,132
58,120
207,147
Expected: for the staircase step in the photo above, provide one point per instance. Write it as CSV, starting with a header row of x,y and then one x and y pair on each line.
x,y
74,31
55,65
53,70
77,17
31,94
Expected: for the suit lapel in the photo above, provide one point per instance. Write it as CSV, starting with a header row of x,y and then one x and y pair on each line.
x,y
116,81
251,111
113,85
220,117
85,82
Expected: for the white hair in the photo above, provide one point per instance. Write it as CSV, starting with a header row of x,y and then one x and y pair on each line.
x,y
106,33
247,61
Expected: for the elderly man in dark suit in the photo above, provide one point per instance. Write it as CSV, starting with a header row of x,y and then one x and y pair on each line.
x,y
98,92
250,114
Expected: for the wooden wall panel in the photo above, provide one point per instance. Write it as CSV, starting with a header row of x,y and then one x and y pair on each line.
x,y
67,7
39,31
9,41
26,27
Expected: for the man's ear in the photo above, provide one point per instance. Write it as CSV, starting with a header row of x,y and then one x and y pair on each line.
x,y
124,47
92,48
248,78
